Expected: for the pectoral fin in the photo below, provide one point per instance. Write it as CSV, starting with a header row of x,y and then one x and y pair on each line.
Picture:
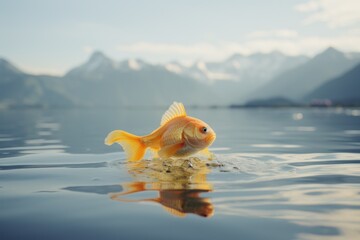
x,y
209,155
169,151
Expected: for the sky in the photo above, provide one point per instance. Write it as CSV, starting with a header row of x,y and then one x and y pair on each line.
x,y
50,37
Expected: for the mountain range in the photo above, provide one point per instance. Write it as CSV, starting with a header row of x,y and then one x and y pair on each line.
x,y
296,83
343,89
239,75
20,89
101,81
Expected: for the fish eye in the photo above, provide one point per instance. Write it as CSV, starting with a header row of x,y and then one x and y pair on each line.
x,y
204,129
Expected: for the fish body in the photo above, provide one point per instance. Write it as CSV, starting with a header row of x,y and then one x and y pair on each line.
x,y
179,135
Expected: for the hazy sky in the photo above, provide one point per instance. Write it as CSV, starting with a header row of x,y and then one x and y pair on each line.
x,y
46,36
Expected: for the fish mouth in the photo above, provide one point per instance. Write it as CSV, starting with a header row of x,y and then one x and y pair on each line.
x,y
211,138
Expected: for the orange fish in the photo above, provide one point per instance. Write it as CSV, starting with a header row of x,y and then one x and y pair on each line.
x,y
178,136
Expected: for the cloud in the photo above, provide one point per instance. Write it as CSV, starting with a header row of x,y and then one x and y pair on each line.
x,y
40,70
281,33
334,13
88,49
197,49
290,43
304,45
208,51
308,7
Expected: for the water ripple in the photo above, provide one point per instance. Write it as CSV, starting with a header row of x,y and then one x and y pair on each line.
x,y
317,191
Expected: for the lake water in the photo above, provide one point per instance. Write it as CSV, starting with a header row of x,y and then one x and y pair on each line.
x,y
279,174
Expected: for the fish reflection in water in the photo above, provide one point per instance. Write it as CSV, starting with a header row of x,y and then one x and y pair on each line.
x,y
179,183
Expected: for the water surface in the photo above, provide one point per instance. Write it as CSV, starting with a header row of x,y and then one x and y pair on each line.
x,y
279,174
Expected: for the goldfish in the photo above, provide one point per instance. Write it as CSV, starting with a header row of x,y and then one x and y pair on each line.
x,y
179,135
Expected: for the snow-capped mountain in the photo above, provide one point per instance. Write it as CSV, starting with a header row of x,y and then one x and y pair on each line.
x,y
257,68
97,62
239,75
131,82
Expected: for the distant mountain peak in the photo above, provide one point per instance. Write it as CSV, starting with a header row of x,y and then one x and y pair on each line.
x,y
5,64
97,60
331,51
98,55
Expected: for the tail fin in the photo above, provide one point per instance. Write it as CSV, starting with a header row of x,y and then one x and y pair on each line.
x,y
133,146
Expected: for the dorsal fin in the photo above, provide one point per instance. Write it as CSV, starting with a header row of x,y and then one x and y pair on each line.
x,y
175,110
174,212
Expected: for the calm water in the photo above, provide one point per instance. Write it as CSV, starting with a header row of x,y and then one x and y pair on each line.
x,y
279,174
